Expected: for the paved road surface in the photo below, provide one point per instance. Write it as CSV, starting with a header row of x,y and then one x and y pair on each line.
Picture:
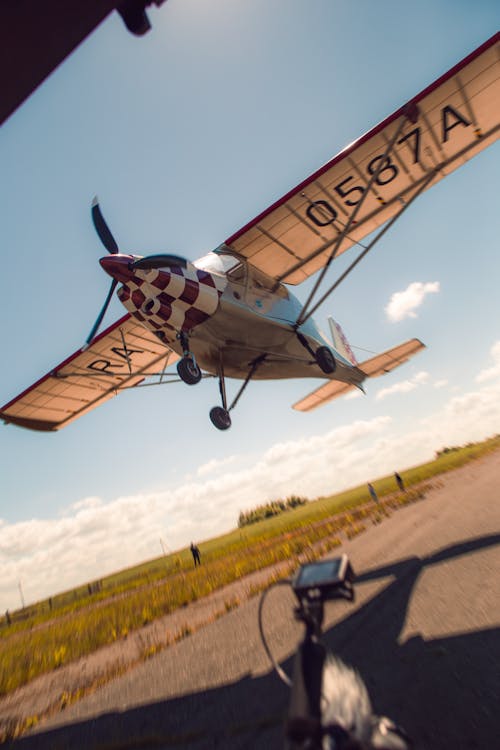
x,y
424,633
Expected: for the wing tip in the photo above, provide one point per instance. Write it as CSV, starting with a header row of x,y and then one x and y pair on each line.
x,y
30,424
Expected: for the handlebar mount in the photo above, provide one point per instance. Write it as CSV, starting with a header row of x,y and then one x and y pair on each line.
x,y
317,720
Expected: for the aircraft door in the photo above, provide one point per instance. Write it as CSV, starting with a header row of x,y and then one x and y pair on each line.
x,y
237,278
261,294
254,289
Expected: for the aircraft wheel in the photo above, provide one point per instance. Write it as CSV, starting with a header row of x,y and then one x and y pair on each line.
x,y
220,418
325,359
188,371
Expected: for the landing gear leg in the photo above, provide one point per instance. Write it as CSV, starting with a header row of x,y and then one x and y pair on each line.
x,y
187,367
220,414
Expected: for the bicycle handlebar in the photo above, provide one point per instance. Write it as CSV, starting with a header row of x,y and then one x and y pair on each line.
x,y
329,705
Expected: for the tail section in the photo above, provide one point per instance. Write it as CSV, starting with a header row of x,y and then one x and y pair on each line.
x,y
370,368
340,342
380,364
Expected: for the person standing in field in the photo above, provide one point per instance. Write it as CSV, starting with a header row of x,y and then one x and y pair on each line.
x,y
196,554
399,482
373,494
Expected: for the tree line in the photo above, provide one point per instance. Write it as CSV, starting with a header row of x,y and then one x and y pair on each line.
x,y
273,508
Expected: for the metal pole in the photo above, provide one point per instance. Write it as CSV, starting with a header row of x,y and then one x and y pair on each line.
x,y
21,592
164,550
163,547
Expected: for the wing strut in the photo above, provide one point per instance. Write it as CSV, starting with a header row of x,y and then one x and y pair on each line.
x,y
254,365
302,318
411,113
127,356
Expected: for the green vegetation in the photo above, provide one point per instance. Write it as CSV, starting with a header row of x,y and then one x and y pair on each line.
x,y
53,632
268,510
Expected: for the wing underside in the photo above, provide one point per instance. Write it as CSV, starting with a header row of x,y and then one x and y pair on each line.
x,y
371,368
372,179
121,357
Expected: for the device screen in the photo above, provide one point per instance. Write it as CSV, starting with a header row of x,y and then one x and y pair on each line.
x,y
315,574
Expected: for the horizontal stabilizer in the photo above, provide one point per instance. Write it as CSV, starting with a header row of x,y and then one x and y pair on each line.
x,y
392,358
323,394
371,368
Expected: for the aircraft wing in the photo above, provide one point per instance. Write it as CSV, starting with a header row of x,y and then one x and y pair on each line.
x,y
120,357
371,368
372,179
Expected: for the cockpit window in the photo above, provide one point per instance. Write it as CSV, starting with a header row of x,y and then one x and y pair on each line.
x,y
215,263
238,273
223,262
261,280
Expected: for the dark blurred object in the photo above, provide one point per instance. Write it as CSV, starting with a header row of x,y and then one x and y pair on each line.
x,y
37,35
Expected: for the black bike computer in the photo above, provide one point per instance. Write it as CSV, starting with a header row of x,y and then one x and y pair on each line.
x,y
326,579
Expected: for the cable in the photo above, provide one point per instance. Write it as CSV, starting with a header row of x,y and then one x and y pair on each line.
x,y
281,673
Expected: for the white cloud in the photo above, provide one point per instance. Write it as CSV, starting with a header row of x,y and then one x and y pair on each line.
x,y
441,383
87,502
491,372
214,465
465,418
94,538
404,386
353,394
403,304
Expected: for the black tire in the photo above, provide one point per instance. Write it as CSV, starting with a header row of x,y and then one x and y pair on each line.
x,y
325,360
220,418
188,371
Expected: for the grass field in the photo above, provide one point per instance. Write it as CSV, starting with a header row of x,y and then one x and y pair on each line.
x,y
72,624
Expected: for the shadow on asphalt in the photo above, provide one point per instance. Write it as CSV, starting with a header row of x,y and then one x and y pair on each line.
x,y
445,692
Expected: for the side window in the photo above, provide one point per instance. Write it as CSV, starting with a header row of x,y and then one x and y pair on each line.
x,y
282,291
238,274
261,280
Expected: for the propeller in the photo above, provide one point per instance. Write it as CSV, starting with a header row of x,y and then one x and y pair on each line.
x,y
145,264
101,315
102,229
111,246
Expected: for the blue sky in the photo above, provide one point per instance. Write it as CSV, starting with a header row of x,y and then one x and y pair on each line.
x,y
185,135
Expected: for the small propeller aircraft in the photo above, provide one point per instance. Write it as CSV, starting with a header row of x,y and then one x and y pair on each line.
x,y
230,314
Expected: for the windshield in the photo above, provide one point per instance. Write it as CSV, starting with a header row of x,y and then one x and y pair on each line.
x,y
225,263
215,263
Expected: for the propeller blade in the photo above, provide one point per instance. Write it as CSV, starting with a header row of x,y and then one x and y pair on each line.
x,y
102,229
159,261
102,313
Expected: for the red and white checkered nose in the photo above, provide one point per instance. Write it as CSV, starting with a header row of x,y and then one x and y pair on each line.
x,y
118,266
178,298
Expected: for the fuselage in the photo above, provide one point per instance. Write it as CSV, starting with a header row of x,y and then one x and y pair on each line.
x,y
231,312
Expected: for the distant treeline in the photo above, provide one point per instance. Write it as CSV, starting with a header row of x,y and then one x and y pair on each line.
x,y
273,508
454,448
451,449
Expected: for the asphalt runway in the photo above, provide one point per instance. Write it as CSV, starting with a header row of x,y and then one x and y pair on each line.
x,y
424,633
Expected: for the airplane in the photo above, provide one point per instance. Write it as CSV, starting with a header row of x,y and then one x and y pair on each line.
x,y
231,314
